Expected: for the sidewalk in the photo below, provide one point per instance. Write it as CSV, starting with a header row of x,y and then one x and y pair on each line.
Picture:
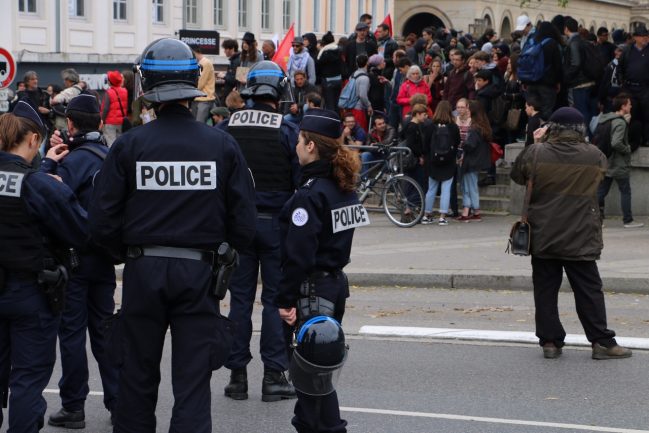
x,y
472,255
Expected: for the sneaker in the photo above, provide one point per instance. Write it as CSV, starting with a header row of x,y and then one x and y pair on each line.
x,y
442,222
613,352
407,218
475,218
463,219
427,219
550,351
632,225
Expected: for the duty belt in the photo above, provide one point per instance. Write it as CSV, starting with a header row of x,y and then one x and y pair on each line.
x,y
135,252
311,304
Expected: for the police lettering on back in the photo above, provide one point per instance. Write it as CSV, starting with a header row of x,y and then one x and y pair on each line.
x,y
174,176
11,183
256,118
349,217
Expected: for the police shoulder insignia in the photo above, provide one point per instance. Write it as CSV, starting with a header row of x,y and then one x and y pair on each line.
x,y
349,217
300,216
309,183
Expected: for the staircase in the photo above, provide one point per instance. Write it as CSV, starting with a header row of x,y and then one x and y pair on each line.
x,y
494,199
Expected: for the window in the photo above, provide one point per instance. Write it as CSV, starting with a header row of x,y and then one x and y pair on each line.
x,y
348,12
158,11
374,9
332,16
28,6
286,14
219,12
316,15
265,14
386,7
243,13
361,9
191,11
76,8
119,10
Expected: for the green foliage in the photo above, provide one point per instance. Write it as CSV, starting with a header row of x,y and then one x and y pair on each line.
x,y
561,3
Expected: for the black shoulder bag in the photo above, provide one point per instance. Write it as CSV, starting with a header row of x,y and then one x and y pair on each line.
x,y
520,236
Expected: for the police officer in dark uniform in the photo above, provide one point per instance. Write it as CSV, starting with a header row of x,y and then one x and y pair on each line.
x,y
268,144
634,64
33,206
89,298
317,227
169,194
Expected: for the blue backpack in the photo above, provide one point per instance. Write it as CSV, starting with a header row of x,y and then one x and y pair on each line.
x,y
531,63
349,96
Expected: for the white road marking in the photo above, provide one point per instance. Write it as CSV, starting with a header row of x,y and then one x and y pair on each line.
x,y
491,420
56,391
476,334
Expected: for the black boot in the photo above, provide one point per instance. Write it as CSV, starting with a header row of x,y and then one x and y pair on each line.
x,y
276,387
68,419
237,389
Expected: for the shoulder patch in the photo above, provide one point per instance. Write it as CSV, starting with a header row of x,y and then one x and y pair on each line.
x,y
309,183
176,175
349,217
300,217
255,118
11,183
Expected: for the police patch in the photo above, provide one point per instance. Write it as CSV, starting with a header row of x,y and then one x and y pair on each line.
x,y
175,176
300,216
256,118
11,183
349,217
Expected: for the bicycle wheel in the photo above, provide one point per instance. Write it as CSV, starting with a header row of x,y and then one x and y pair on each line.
x,y
403,201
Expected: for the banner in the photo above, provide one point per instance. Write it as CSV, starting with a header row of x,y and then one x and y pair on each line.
x,y
284,49
387,20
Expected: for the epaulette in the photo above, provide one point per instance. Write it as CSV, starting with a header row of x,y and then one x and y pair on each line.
x,y
309,183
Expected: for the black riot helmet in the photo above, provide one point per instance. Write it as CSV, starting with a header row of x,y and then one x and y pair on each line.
x,y
267,80
319,355
168,71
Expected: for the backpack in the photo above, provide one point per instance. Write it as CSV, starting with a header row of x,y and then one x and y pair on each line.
x,y
602,137
531,63
592,64
441,148
349,95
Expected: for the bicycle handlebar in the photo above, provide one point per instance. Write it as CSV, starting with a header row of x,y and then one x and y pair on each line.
x,y
382,147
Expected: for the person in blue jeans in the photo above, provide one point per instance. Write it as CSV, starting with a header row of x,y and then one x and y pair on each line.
x,y
439,161
476,157
380,133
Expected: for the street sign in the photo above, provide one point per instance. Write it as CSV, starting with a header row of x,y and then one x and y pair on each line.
x,y
7,68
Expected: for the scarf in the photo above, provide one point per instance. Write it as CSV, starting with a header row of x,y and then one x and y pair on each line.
x,y
298,62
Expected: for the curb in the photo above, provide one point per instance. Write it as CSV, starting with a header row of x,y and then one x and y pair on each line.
x,y
481,335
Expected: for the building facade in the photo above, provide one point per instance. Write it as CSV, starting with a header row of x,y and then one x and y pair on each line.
x,y
95,36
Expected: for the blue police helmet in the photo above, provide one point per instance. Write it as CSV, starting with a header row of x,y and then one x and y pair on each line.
x,y
169,71
266,79
319,356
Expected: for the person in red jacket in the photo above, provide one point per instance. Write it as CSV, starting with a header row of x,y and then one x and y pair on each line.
x,y
114,107
414,84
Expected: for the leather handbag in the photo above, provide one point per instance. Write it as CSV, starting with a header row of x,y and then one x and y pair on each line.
x,y
520,235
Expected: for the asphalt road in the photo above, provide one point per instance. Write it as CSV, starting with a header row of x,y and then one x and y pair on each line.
x,y
394,385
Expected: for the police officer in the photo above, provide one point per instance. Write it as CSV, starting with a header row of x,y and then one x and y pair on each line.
x,y
169,193
634,63
317,227
32,275
89,298
268,144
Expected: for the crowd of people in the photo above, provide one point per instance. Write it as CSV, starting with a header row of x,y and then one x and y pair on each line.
x,y
505,86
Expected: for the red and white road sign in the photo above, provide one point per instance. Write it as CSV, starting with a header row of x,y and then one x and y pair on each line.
x,y
7,68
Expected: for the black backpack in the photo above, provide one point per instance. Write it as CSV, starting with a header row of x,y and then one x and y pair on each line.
x,y
602,137
441,148
592,63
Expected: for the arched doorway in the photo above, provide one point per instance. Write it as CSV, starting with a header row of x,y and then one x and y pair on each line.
x,y
487,22
416,23
506,28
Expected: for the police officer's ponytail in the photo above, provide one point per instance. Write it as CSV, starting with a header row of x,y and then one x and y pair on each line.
x,y
345,163
13,130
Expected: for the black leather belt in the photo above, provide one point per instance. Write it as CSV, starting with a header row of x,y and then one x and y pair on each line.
x,y
318,275
135,252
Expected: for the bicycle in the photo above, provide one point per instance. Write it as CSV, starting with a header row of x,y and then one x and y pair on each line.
x,y
401,197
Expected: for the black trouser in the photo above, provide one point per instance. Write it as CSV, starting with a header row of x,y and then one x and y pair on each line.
x,y
331,93
546,97
589,300
639,127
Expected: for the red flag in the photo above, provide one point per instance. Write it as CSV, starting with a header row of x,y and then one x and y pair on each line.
x,y
388,21
284,50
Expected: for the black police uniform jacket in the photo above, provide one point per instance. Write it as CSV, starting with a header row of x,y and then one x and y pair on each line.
x,y
317,227
173,182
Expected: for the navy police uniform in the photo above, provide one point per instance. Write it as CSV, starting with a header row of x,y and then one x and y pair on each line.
x,y
32,205
268,144
169,193
89,297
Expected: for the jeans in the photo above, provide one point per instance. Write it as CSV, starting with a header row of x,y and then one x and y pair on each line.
x,y
470,193
583,100
624,185
367,158
444,198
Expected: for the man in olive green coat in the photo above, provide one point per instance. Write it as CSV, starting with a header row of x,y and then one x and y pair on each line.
x,y
566,233
619,161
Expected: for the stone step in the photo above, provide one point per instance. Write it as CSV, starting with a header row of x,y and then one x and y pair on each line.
x,y
495,190
492,203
